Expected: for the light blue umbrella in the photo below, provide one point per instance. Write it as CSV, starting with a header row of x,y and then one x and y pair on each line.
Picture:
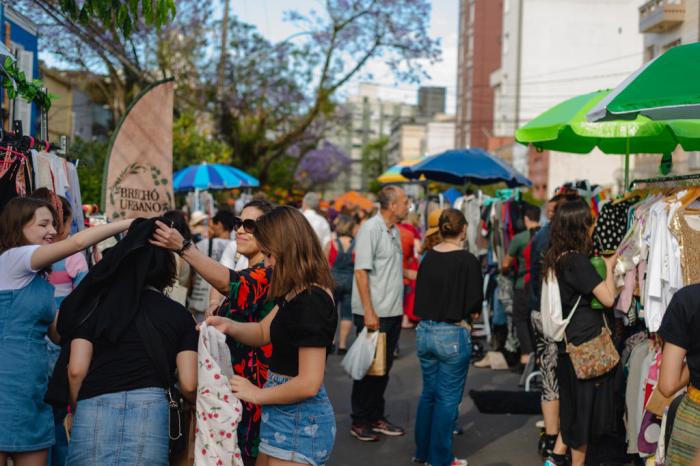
x,y
212,176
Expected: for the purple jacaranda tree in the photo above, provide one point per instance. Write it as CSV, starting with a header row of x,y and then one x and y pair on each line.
x,y
322,166
276,93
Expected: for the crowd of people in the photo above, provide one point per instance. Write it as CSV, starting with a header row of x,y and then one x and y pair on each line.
x,y
90,355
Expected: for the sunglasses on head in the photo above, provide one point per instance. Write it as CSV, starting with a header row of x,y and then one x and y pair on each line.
x,y
248,225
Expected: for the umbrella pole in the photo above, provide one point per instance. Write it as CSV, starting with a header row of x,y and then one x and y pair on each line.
x,y
627,165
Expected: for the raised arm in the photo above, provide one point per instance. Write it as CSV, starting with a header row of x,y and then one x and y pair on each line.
x,y
254,334
46,255
606,291
213,272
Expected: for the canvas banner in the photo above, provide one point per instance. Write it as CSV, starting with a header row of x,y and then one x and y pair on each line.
x,y
139,177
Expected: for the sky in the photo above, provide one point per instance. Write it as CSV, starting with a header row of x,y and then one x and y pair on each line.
x,y
267,16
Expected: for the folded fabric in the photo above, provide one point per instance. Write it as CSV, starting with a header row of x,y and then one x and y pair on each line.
x,y
218,409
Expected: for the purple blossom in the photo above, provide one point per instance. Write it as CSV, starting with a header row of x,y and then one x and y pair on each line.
x,y
322,166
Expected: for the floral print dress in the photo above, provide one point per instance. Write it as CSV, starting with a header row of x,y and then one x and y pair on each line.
x,y
248,303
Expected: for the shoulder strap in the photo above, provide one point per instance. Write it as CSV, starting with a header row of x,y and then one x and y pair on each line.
x,y
571,316
211,245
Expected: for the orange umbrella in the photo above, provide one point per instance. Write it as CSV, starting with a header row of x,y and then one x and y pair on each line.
x,y
353,199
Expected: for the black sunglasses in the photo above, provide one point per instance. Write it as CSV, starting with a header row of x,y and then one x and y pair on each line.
x,y
248,225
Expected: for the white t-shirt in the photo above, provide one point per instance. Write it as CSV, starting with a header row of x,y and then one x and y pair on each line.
x,y
16,267
229,259
199,297
320,226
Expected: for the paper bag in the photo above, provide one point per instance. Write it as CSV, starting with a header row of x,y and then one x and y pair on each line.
x,y
378,367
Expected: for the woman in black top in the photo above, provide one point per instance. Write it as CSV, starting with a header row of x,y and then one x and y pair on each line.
x,y
448,292
122,352
587,408
298,423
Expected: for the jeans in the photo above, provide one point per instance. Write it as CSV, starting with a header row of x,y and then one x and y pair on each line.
x,y
368,394
121,429
444,351
58,454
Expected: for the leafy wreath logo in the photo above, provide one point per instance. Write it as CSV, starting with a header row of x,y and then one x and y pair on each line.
x,y
137,168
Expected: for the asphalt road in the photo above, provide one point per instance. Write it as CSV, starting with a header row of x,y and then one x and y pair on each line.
x,y
488,440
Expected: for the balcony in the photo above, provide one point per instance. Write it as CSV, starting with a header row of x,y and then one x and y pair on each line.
x,y
661,15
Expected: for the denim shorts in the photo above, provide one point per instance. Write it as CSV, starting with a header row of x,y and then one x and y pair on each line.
x,y
301,432
121,429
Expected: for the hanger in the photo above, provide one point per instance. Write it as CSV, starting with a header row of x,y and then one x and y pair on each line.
x,y
693,195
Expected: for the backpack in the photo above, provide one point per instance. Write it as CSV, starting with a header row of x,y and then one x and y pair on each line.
x,y
553,322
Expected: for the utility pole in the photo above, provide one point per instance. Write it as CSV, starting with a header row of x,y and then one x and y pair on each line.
x,y
224,43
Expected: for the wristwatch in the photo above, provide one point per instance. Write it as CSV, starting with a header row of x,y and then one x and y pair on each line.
x,y
185,246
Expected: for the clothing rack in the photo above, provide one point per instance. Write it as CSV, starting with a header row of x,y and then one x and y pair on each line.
x,y
21,143
665,179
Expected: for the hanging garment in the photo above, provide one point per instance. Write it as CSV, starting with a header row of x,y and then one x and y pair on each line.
x,y
633,395
218,410
688,237
611,226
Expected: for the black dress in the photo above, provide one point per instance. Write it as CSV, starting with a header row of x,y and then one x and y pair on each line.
x,y
587,408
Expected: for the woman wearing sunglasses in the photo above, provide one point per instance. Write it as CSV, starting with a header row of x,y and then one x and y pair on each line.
x,y
247,293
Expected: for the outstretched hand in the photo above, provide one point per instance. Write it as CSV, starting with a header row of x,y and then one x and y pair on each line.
x,y
222,324
167,237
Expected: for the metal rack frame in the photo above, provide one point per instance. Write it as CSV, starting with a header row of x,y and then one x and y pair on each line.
x,y
665,179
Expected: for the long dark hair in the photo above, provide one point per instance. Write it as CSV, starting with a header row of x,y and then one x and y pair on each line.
x,y
569,232
287,235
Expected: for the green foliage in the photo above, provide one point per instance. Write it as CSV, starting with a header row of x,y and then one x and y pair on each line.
x,y
17,85
121,15
191,145
374,161
92,156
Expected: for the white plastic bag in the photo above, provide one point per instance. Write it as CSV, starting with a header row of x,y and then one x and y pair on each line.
x,y
360,355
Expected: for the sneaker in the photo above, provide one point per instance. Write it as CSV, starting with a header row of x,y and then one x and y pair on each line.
x,y
458,431
364,433
416,460
385,427
553,461
460,462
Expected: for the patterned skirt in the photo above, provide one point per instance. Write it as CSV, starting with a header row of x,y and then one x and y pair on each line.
x,y
685,436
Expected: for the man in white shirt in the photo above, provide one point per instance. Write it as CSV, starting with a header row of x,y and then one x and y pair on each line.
x,y
309,208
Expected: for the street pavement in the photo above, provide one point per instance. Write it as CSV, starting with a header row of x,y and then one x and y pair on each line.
x,y
488,440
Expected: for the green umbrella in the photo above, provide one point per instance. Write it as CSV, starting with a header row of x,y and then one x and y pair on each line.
x,y
565,128
666,88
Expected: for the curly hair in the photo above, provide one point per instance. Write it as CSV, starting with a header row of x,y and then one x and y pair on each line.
x,y
570,232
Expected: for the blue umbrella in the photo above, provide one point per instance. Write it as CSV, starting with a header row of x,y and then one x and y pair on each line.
x,y
462,166
212,176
